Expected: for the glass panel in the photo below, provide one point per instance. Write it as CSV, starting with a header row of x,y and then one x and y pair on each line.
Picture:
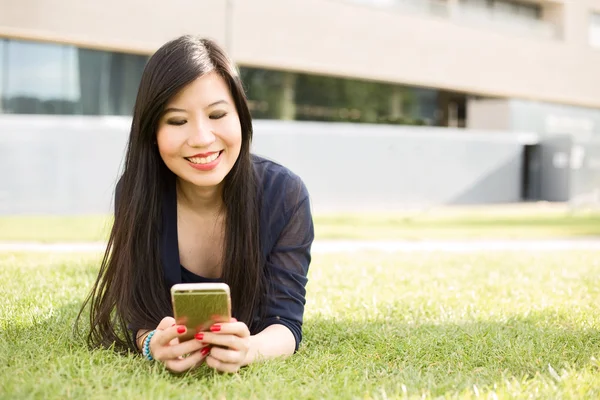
x,y
94,80
504,8
530,11
478,4
3,77
40,78
292,96
109,81
264,90
595,30
475,8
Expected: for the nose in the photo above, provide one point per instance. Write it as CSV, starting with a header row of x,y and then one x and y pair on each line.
x,y
201,135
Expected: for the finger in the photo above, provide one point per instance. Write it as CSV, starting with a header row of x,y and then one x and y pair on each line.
x,y
167,334
231,328
227,356
165,323
221,366
179,365
231,342
233,320
181,349
163,341
162,325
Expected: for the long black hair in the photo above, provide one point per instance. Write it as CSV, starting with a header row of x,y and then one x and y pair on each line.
x,y
130,290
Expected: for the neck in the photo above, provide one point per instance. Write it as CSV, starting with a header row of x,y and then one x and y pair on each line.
x,y
201,200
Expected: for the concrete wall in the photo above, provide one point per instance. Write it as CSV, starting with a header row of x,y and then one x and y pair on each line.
x,y
132,25
355,167
584,185
355,40
555,119
59,165
488,114
340,38
570,170
532,116
69,165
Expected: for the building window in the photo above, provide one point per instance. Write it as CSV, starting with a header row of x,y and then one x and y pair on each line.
x,y
46,78
595,30
503,9
509,16
307,97
2,76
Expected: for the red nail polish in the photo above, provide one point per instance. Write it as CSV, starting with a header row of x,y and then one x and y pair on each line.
x,y
215,328
181,329
199,336
205,351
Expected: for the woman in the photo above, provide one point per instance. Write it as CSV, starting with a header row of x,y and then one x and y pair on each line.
x,y
193,205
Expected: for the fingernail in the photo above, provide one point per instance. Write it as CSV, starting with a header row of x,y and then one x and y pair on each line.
x,y
181,329
215,328
205,351
199,336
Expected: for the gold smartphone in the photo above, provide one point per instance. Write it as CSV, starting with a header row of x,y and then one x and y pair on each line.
x,y
200,305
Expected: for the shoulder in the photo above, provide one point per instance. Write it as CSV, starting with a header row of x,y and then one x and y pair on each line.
x,y
279,186
273,176
269,169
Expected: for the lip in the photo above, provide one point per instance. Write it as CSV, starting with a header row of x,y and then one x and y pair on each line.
x,y
206,167
210,153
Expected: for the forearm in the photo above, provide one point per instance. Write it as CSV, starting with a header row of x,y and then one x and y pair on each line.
x,y
274,341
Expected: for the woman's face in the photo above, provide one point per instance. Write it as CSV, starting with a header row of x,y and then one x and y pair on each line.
x,y
199,135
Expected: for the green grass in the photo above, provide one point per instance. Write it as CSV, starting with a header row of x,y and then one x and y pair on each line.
x,y
518,224
418,227
376,326
55,228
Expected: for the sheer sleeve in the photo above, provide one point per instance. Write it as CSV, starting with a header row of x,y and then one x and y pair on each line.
x,y
288,261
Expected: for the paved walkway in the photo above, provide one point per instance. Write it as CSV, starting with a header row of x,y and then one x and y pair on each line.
x,y
348,246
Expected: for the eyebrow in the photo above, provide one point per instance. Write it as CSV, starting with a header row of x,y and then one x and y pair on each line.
x,y
217,103
173,109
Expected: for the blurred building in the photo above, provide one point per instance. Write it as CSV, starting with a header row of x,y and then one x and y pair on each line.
x,y
522,76
498,64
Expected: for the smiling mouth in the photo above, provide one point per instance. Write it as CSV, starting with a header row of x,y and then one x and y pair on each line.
x,y
204,160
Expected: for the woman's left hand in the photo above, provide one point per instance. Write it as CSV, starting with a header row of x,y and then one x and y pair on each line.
x,y
229,345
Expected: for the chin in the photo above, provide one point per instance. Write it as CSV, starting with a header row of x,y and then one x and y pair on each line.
x,y
207,181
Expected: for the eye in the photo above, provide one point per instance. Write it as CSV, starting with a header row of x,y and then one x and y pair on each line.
x,y
176,122
217,115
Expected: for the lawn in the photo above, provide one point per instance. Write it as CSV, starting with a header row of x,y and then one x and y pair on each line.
x,y
377,326
521,223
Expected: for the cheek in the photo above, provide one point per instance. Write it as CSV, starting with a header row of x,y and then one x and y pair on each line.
x,y
167,147
237,139
235,135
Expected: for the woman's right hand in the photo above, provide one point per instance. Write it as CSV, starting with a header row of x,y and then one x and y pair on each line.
x,y
177,357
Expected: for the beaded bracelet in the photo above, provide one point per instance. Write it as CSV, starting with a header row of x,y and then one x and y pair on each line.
x,y
146,346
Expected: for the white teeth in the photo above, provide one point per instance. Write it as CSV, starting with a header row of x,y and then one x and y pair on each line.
x,y
204,160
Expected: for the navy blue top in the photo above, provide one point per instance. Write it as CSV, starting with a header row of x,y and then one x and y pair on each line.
x,y
286,236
